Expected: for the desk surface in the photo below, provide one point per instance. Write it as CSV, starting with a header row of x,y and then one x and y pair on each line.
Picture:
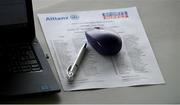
x,y
161,22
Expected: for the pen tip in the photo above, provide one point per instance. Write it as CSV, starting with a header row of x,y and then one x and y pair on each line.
x,y
85,44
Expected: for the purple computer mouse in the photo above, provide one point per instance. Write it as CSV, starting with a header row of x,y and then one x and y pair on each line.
x,y
104,41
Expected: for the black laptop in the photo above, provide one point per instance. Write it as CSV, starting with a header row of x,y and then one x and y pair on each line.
x,y
23,67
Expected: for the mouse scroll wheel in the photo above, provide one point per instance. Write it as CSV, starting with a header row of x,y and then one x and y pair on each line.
x,y
99,44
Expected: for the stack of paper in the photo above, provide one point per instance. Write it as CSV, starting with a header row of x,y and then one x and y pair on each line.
x,y
135,64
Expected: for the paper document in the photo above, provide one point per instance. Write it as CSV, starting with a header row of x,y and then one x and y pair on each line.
x,y
135,64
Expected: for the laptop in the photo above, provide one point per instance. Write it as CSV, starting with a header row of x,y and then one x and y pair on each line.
x,y
23,66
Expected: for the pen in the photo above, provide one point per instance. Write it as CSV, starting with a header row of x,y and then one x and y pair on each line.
x,y
72,69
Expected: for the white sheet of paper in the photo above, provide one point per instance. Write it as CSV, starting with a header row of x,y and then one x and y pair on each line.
x,y
135,64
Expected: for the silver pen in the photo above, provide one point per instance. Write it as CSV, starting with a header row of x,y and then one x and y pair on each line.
x,y
72,69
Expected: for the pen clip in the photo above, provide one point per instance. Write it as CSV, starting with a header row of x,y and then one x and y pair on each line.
x,y
69,73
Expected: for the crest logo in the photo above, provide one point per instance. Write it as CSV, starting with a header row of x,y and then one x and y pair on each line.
x,y
115,15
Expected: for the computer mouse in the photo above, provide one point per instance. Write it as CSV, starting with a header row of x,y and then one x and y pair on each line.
x,y
104,41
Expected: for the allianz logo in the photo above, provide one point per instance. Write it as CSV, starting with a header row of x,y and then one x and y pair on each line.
x,y
55,18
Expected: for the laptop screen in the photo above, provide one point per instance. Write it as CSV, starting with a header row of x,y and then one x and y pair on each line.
x,y
12,12
14,20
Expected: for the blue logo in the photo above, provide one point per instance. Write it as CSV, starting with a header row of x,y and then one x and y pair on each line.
x,y
56,18
74,17
45,87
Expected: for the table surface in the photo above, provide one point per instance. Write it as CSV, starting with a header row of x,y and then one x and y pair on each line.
x,y
161,22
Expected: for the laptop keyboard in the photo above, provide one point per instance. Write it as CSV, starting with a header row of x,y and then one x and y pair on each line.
x,y
22,59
